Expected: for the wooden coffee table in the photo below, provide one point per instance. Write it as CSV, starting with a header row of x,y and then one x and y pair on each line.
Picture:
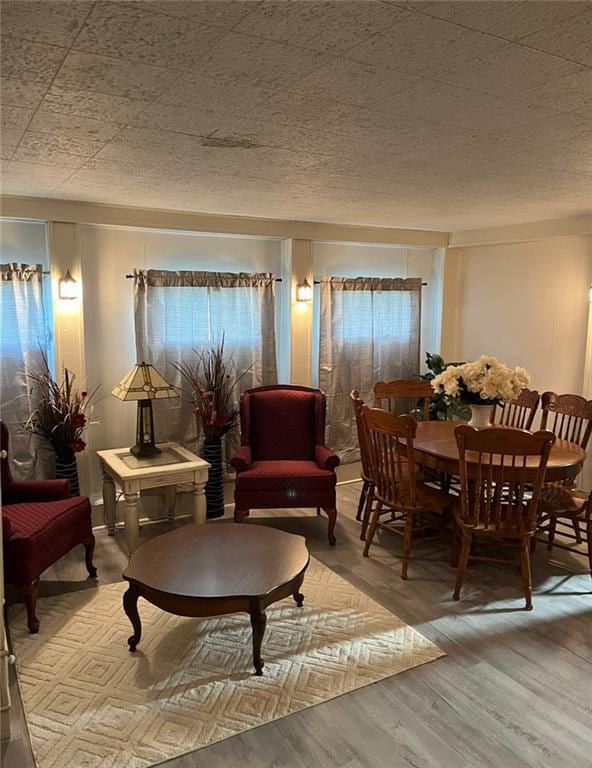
x,y
216,569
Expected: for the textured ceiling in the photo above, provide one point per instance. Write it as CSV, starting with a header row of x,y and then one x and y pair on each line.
x,y
435,115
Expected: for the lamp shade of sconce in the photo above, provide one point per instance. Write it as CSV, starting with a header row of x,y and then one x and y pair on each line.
x,y
303,291
590,295
67,287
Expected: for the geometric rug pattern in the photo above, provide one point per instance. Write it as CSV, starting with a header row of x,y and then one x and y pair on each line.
x,y
92,704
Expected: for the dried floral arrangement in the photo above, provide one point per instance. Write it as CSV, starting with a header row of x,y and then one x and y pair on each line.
x,y
213,381
62,413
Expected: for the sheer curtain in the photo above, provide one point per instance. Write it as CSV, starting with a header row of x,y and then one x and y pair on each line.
x,y
369,331
179,312
24,339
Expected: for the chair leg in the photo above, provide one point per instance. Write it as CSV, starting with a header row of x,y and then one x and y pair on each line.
x,y
30,596
240,514
552,526
589,537
407,542
463,562
318,510
372,528
362,501
332,515
367,511
89,548
526,577
578,533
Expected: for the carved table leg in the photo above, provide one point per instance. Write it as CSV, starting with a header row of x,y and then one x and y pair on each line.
x,y
130,606
109,504
258,622
132,526
199,503
297,594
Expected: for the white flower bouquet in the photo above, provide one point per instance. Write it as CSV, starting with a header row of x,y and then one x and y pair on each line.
x,y
485,381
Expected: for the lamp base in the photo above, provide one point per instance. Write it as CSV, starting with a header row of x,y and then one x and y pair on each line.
x,y
145,443
143,451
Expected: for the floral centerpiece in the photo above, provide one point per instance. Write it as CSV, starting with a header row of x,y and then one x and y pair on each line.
x,y
213,380
60,417
481,384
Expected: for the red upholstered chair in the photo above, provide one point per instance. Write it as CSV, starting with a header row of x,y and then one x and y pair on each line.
x,y
41,522
283,461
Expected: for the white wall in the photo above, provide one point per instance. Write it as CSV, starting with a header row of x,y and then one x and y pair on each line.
x,y
23,241
527,304
338,259
108,254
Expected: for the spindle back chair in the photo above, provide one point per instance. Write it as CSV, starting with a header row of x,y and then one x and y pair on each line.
x,y
402,396
397,485
498,498
518,413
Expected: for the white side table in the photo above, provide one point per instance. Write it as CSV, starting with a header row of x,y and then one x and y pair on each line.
x,y
173,466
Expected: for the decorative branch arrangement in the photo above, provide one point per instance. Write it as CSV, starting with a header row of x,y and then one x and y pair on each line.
x,y
62,413
213,380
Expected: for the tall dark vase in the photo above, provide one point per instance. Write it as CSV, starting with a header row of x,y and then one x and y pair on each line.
x,y
68,470
212,453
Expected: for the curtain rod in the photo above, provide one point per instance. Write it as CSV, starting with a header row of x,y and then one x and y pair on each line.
x,y
277,279
318,282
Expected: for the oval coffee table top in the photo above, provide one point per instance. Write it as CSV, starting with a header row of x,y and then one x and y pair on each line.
x,y
220,560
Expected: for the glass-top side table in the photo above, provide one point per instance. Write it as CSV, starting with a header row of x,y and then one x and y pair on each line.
x,y
173,466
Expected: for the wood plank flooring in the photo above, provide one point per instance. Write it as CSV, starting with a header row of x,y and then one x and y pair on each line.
x,y
515,690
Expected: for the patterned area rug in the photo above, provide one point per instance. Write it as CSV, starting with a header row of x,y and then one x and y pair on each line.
x,y
90,703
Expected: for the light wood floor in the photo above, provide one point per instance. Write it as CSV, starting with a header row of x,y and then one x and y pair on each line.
x,y
515,690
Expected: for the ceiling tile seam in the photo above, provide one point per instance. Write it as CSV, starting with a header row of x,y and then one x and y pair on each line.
x,y
455,85
161,12
64,151
67,50
262,37
420,12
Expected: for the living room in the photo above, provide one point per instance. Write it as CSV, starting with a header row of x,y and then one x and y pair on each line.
x,y
303,200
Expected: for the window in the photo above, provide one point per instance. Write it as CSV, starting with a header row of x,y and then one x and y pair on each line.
x,y
25,338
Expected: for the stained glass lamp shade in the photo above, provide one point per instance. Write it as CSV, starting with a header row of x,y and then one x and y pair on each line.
x,y
144,384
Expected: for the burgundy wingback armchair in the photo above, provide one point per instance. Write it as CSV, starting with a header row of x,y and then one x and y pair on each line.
x,y
283,461
41,522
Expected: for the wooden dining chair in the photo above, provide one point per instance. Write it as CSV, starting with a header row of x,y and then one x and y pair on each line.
x,y
367,493
414,506
518,413
498,499
567,508
569,417
404,396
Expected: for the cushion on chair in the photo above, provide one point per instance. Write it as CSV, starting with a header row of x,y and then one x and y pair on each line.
x,y
282,425
559,501
41,533
280,475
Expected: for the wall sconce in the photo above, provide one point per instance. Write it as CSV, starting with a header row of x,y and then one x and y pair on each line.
x,y
590,295
303,291
67,287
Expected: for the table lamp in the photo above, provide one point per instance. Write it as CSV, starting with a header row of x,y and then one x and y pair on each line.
x,y
144,384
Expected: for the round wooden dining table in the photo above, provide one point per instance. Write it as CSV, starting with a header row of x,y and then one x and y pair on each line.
x,y
435,447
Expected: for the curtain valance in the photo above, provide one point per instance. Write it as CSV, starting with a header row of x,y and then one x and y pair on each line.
x,y
162,278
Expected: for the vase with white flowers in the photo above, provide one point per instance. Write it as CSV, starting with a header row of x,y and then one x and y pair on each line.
x,y
480,385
